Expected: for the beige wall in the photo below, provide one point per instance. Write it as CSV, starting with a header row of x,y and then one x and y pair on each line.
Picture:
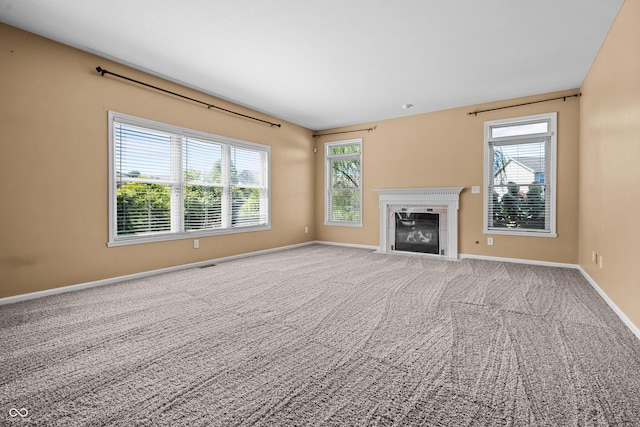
x,y
610,164
53,168
446,149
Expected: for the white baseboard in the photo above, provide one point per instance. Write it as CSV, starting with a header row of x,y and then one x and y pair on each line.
x,y
347,245
614,307
70,288
519,261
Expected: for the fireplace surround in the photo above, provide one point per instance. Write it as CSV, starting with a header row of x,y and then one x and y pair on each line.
x,y
413,213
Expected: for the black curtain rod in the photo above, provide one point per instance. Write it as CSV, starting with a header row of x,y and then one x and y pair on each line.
x,y
317,135
564,98
102,72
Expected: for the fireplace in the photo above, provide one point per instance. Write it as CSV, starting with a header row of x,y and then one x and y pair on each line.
x,y
419,220
417,232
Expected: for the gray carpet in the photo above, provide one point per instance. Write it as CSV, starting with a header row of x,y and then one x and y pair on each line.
x,y
323,336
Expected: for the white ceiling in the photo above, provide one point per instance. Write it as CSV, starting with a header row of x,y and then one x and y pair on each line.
x,y
328,63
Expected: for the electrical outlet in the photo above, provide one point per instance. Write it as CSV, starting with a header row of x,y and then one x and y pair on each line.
x,y
490,241
475,189
306,229
196,244
601,259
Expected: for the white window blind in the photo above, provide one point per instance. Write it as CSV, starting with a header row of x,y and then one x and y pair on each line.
x,y
248,191
520,175
343,182
144,181
204,187
169,182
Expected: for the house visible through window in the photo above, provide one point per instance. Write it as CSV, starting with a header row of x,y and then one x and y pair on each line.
x,y
520,171
168,182
343,187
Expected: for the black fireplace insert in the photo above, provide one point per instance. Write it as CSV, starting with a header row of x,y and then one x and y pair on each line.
x,y
418,232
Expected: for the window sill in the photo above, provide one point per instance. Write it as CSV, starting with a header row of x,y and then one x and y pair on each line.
x,y
343,224
182,236
520,233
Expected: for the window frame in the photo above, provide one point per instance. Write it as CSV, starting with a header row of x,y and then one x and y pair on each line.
x,y
328,157
178,136
550,172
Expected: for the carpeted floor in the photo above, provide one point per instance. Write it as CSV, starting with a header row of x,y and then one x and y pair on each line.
x,y
323,336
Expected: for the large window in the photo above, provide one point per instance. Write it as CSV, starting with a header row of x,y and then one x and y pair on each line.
x,y
168,182
520,171
343,187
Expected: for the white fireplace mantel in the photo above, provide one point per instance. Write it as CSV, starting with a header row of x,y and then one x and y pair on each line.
x,y
428,197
